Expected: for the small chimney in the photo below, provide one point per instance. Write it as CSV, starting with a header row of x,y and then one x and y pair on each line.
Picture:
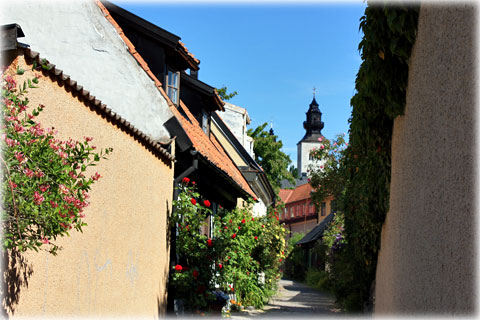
x,y
194,74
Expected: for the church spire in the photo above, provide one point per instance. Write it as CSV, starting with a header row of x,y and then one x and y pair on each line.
x,y
313,125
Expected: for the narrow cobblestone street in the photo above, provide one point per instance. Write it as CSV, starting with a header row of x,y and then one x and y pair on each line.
x,y
294,300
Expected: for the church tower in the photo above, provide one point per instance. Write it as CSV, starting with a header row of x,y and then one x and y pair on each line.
x,y
313,126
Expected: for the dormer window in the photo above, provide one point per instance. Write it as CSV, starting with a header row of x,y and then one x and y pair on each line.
x,y
173,86
205,122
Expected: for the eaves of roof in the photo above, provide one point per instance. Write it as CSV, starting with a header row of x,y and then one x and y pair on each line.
x,y
317,232
153,31
210,148
204,89
203,144
96,104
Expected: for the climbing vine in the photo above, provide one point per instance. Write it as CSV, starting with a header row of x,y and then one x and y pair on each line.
x,y
381,84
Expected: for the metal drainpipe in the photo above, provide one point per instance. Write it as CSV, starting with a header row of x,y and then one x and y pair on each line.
x,y
173,229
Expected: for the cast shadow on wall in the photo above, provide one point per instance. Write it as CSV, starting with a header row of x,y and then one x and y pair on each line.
x,y
16,273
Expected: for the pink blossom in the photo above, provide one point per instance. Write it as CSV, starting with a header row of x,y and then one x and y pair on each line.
x,y
29,173
44,187
53,204
346,144
96,176
63,189
72,174
11,143
39,173
11,118
11,84
320,139
45,241
321,166
88,139
20,157
335,144
322,147
22,107
63,155
38,198
13,185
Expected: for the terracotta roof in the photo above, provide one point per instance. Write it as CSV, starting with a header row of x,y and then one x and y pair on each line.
x,y
284,194
297,194
209,148
182,45
96,104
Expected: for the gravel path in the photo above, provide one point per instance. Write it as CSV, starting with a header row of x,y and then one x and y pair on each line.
x,y
294,300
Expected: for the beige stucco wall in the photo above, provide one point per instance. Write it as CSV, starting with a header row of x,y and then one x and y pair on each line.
x,y
428,250
119,264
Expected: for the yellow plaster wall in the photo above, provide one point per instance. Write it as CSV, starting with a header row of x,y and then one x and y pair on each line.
x,y
227,146
119,265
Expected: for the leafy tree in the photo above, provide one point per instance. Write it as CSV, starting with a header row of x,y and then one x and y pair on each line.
x,y
269,154
293,171
222,92
330,178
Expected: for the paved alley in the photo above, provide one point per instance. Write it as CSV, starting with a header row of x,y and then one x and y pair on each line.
x,y
294,300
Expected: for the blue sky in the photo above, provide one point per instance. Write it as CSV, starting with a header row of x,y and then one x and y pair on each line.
x,y
272,55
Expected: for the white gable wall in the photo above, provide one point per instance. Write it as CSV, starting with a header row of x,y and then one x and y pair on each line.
x,y
76,37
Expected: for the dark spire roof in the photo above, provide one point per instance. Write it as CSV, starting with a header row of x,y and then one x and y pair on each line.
x,y
313,125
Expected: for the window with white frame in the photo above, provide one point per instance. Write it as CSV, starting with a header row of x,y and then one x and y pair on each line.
x,y
173,86
205,122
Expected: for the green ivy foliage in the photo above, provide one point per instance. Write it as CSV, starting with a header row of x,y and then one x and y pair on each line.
x,y
381,84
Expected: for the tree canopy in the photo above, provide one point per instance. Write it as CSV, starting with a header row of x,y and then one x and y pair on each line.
x,y
268,154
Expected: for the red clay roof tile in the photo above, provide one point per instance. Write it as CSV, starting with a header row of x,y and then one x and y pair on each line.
x,y
297,194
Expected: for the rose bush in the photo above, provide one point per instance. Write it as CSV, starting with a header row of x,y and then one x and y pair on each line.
x,y
44,187
243,247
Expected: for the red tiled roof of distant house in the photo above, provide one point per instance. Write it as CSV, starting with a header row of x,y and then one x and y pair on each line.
x,y
285,194
301,192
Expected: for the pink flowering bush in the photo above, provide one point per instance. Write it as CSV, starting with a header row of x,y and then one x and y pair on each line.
x,y
44,187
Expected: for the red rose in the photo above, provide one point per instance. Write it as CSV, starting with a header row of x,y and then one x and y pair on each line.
x,y
239,228
255,237
220,265
193,201
253,219
254,199
185,180
263,226
206,203
193,182
209,242
195,274
234,235
280,260
243,220
178,268
230,221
